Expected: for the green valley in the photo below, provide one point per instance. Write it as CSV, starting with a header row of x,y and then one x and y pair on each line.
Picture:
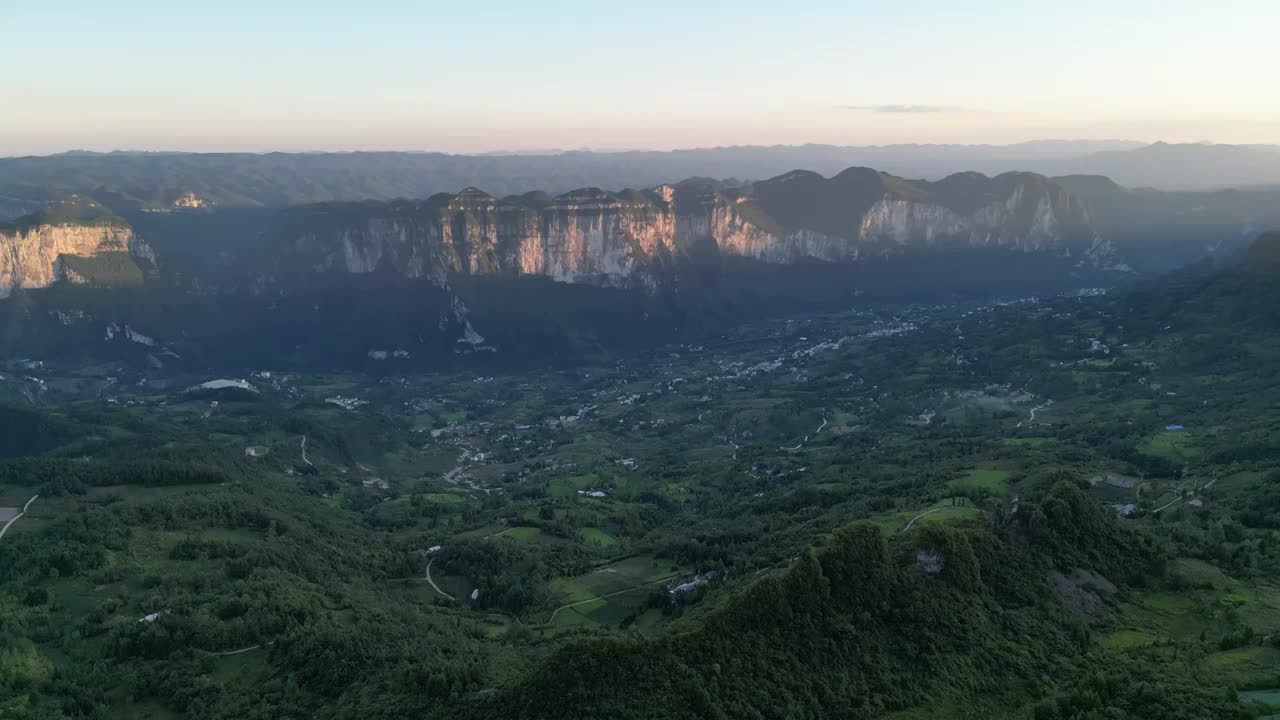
x,y
907,512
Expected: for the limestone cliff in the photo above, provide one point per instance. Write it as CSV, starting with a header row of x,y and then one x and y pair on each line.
x,y
593,236
36,253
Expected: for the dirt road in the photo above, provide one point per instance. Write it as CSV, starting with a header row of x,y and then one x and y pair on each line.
x,y
17,517
433,584
556,612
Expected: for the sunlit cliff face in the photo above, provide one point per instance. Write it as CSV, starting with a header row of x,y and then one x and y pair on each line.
x,y
592,236
30,257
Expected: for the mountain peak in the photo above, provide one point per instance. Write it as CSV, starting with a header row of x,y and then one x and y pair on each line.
x,y
586,194
796,176
859,175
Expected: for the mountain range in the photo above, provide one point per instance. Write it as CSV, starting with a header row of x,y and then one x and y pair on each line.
x,y
606,238
1187,166
459,273
128,181
596,237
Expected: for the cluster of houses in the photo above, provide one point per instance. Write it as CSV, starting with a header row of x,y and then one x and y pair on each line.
x,y
346,403
679,589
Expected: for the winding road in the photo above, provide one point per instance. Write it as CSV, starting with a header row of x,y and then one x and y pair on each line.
x,y
923,514
304,451
940,509
556,612
1035,410
801,444
17,517
433,584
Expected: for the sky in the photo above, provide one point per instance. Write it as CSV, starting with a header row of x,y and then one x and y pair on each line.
x,y
462,76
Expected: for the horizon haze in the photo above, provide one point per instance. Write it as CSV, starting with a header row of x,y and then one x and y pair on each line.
x,y
393,75
428,360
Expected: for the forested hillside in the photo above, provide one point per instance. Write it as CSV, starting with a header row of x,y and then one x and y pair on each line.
x,y
1060,509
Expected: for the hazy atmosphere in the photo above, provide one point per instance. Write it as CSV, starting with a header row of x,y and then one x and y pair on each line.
x,y
461,77
567,360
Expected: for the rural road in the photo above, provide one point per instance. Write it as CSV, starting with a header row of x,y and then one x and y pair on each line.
x,y
1035,410
802,443
304,451
926,512
18,517
433,584
1174,501
556,612
229,653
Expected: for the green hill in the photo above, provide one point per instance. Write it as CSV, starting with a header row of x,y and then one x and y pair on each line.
x,y
961,621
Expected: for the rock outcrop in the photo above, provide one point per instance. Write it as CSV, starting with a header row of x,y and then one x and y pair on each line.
x,y
35,254
593,236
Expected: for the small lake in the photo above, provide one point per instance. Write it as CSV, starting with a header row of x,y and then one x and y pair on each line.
x,y
1270,697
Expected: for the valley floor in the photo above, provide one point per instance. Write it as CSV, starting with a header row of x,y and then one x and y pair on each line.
x,y
441,537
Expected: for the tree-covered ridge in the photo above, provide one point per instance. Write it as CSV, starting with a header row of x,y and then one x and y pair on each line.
x,y
103,269
864,627
73,211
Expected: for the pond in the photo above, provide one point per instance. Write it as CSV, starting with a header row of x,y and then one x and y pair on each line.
x,y
1269,697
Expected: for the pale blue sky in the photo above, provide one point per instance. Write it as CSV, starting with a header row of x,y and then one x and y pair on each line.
x,y
465,76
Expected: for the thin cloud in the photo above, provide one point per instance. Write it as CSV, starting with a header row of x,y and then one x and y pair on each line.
x,y
906,109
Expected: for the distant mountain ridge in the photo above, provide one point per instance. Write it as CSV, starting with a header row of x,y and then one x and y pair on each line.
x,y
127,181
474,279
1161,230
593,236
1183,166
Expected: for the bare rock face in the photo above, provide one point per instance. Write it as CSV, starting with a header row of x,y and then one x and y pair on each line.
x,y
1083,592
930,562
1017,211
190,201
34,256
598,237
